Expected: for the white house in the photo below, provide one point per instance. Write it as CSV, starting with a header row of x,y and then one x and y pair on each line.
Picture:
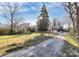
x,y
65,26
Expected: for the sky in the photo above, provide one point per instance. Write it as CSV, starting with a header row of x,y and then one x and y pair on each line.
x,y
31,10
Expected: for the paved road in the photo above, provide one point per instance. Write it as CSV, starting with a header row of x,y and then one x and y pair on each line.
x,y
48,48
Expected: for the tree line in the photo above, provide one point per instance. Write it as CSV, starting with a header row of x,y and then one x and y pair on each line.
x,y
16,24
14,21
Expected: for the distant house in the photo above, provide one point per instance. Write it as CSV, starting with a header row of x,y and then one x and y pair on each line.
x,y
65,26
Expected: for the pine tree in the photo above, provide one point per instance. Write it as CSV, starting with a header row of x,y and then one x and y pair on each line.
x,y
43,21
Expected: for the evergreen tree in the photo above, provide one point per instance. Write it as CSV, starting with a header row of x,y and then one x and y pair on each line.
x,y
43,22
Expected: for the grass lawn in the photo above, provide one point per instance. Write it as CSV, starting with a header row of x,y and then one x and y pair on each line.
x,y
73,42
71,48
14,40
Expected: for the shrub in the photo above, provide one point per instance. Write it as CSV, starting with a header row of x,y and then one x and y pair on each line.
x,y
73,34
4,31
12,32
31,29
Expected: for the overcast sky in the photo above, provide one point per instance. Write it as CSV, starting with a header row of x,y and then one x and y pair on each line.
x,y
30,10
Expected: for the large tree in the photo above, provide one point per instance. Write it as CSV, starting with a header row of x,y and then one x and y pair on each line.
x,y
77,18
69,8
10,13
54,23
43,21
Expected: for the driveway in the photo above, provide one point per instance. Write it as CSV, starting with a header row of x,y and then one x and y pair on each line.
x,y
49,48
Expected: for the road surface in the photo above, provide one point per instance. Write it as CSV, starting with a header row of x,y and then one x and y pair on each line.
x,y
49,48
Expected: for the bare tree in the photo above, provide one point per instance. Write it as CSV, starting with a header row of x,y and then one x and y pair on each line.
x,y
68,6
59,24
10,12
77,18
54,23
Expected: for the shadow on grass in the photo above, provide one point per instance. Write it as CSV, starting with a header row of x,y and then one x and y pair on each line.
x,y
70,50
36,40
14,49
31,42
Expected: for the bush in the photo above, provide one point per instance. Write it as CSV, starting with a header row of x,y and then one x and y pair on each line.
x,y
12,32
31,29
4,31
72,31
73,34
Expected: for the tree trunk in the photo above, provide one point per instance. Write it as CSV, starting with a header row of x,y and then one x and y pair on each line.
x,y
73,21
74,27
77,20
78,23
11,28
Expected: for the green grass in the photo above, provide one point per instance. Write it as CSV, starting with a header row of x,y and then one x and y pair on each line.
x,y
14,39
36,40
73,42
70,50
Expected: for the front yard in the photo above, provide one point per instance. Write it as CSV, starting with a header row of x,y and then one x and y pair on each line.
x,y
73,42
9,43
71,48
